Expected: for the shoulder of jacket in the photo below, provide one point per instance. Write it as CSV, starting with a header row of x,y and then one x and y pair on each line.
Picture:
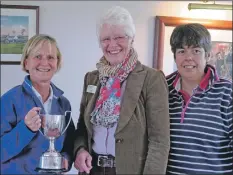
x,y
152,71
63,98
15,90
92,73
65,102
13,95
91,77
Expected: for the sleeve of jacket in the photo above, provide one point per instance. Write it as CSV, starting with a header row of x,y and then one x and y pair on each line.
x,y
158,124
81,139
68,146
14,136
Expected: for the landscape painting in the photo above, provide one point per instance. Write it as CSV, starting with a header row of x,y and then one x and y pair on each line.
x,y
18,24
14,34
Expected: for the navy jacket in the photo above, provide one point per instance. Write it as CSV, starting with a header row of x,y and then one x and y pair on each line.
x,y
201,128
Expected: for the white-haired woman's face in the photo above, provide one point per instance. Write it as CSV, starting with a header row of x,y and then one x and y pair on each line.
x,y
114,42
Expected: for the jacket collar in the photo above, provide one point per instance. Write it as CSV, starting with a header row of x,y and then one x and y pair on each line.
x,y
133,88
27,84
208,80
50,98
130,98
57,93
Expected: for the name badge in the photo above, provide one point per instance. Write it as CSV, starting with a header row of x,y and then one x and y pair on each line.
x,y
91,89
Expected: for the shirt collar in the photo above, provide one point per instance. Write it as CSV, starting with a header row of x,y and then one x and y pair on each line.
x,y
203,84
27,85
39,96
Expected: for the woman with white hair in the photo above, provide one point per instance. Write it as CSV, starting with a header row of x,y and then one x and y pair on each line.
x,y
123,126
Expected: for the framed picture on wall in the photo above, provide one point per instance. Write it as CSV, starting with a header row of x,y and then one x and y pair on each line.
x,y
18,24
221,35
221,58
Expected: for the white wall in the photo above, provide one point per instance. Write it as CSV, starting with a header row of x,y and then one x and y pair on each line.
x,y
73,25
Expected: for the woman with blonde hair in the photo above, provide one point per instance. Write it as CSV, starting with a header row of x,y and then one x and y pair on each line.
x,y
21,142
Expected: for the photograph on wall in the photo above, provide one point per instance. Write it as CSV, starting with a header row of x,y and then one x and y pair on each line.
x,y
18,24
221,58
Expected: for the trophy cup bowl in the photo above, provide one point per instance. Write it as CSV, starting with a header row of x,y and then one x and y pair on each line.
x,y
52,127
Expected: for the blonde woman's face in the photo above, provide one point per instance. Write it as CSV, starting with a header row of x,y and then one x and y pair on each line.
x,y
42,62
115,44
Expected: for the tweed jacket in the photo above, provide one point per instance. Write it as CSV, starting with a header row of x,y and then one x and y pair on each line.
x,y
142,135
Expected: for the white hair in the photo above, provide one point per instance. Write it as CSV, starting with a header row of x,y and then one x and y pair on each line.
x,y
117,16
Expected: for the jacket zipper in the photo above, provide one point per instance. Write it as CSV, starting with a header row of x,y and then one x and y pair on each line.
x,y
184,109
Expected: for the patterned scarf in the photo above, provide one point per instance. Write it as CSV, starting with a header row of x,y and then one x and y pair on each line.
x,y
107,107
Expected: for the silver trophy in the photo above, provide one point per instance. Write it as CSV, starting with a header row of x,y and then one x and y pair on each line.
x,y
52,127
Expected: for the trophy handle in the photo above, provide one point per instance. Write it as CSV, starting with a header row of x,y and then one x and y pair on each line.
x,y
40,131
39,128
68,122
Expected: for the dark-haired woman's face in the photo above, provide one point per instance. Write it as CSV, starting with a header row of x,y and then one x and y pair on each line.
x,y
191,62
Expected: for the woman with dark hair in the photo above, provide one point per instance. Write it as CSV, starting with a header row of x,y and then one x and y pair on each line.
x,y
200,105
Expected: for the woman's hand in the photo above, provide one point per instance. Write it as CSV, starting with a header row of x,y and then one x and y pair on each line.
x,y
65,163
83,161
32,119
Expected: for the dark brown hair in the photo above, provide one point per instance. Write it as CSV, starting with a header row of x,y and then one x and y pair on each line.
x,y
192,34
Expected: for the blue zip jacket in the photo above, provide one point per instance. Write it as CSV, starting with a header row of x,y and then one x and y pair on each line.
x,y
20,147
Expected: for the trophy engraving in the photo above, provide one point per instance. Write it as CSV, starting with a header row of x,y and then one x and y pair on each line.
x,y
53,126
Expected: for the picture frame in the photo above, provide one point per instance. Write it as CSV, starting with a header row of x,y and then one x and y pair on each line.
x,y
163,27
18,24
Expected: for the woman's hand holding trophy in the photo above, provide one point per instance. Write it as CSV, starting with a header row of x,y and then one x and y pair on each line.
x,y
53,126
33,120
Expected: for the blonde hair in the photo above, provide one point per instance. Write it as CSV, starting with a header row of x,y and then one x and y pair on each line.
x,y
35,41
